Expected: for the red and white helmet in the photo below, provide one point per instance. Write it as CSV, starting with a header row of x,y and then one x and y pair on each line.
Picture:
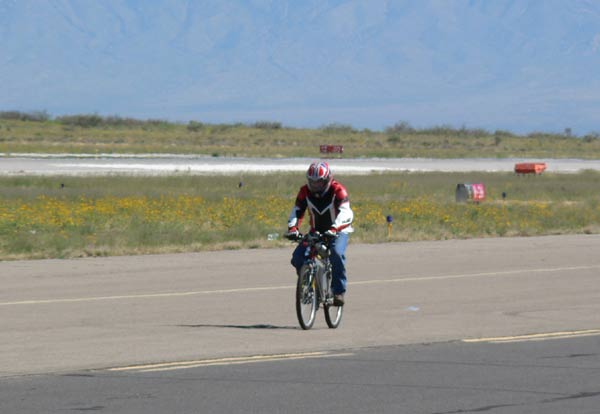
x,y
319,177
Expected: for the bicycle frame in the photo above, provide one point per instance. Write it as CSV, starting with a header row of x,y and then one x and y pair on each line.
x,y
316,257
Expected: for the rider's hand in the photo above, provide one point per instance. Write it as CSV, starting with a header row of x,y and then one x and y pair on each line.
x,y
332,233
292,233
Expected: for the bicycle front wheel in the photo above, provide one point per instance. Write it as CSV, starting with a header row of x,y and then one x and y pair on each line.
x,y
306,299
333,315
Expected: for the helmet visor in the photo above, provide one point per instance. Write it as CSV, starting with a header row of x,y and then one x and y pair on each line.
x,y
318,186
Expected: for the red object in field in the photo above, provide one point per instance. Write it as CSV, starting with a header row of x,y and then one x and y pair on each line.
x,y
530,167
470,192
478,192
328,149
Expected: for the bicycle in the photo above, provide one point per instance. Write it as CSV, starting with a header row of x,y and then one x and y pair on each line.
x,y
314,283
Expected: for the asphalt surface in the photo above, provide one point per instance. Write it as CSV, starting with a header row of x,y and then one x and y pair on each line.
x,y
555,376
216,332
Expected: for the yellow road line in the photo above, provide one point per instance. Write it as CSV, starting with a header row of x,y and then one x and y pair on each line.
x,y
271,288
536,337
168,366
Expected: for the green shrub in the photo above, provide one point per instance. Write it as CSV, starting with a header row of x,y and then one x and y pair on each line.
x,y
35,116
401,127
337,128
194,126
267,125
84,121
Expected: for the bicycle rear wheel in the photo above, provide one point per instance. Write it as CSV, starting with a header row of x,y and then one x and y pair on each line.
x,y
333,315
306,299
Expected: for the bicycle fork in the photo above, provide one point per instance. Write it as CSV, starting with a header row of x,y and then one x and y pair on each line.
x,y
323,277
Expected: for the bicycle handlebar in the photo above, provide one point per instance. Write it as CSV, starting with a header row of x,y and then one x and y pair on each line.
x,y
313,237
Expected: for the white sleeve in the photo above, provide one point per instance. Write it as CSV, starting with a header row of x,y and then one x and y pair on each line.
x,y
293,218
344,217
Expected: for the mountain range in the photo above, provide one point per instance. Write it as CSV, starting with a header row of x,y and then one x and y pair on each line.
x,y
518,65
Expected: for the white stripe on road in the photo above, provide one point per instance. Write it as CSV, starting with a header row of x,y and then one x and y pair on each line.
x,y
271,288
469,275
143,296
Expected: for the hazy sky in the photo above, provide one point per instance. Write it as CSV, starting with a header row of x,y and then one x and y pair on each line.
x,y
521,65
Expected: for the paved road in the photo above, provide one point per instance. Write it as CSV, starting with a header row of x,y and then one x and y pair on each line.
x,y
68,318
554,376
170,164
63,315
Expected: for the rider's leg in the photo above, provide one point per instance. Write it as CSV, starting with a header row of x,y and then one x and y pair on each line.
x,y
298,257
338,263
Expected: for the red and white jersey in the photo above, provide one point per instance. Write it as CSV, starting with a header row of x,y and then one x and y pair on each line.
x,y
330,210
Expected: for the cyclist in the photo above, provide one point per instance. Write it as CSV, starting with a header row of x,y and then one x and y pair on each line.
x,y
330,214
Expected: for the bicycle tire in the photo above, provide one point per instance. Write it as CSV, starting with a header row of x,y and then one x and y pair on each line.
x,y
306,299
333,315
